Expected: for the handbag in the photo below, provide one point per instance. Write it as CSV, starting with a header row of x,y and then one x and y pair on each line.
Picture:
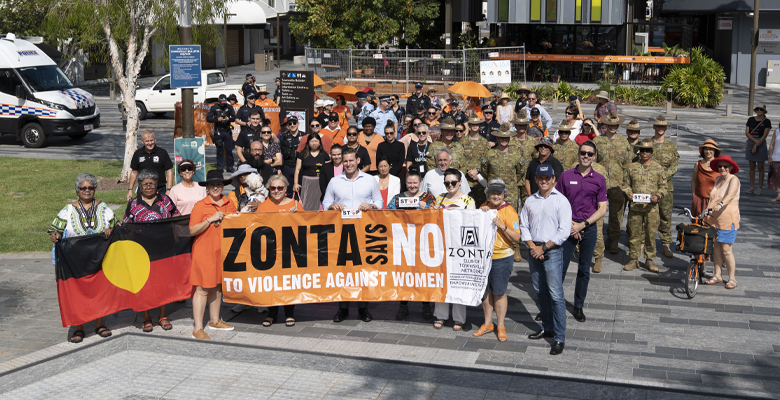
x,y
696,238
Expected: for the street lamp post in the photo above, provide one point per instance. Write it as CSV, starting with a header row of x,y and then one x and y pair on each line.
x,y
753,52
187,98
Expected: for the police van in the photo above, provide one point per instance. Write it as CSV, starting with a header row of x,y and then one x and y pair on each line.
x,y
37,100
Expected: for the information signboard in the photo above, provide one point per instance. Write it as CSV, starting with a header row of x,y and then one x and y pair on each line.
x,y
185,66
297,96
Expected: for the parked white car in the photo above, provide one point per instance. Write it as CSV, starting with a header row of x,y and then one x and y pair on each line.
x,y
161,98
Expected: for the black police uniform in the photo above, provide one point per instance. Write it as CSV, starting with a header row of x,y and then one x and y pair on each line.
x,y
248,88
486,129
243,113
417,102
223,135
289,146
158,161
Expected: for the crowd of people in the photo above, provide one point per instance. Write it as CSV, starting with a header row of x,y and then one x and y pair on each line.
x,y
551,184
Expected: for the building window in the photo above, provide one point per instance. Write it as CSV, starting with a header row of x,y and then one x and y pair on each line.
x,y
272,3
503,10
595,10
551,10
536,10
577,10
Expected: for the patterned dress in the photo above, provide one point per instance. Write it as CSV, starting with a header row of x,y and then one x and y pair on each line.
x,y
73,221
139,211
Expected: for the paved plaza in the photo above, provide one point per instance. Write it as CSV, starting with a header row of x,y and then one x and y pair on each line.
x,y
643,337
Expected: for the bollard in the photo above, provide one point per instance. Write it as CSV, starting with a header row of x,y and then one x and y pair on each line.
x,y
669,101
555,104
729,106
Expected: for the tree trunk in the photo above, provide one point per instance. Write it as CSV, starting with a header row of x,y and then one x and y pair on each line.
x,y
131,135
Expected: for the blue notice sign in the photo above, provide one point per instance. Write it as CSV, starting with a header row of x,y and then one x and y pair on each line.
x,y
185,66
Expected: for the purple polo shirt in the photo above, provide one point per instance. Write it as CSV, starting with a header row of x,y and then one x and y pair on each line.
x,y
583,192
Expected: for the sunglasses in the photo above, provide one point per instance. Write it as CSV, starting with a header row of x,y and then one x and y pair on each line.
x,y
265,132
86,188
352,134
451,183
186,168
416,125
460,130
292,123
645,150
532,98
720,166
587,153
569,113
276,188
315,125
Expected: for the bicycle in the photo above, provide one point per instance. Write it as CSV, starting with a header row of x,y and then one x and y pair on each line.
x,y
698,250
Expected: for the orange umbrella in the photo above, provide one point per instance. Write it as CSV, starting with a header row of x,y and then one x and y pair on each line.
x,y
471,89
318,81
343,90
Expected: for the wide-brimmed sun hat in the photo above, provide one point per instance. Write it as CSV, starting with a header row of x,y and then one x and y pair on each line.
x,y
474,118
214,176
603,95
505,95
447,123
633,125
520,118
660,121
710,144
760,107
504,131
646,143
612,119
734,166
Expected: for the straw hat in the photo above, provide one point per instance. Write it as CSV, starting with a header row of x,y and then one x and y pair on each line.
x,y
447,123
661,121
634,125
520,118
734,166
603,95
646,143
524,88
505,95
504,131
709,144
474,118
612,119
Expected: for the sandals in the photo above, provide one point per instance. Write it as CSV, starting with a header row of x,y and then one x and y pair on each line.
x,y
268,322
165,324
502,336
102,331
289,322
750,191
457,326
714,280
757,192
147,325
732,283
78,336
483,330
438,323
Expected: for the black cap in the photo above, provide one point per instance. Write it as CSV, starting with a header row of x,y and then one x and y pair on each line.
x,y
361,95
333,117
454,103
370,92
535,111
251,96
249,76
385,98
290,119
369,120
418,85
487,107
232,97
222,98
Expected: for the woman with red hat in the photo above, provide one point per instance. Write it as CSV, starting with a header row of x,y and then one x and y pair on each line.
x,y
724,203
703,176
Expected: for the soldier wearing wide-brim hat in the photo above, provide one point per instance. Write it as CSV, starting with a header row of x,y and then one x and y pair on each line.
x,y
504,131
447,123
566,150
521,118
665,153
633,129
447,139
645,177
612,119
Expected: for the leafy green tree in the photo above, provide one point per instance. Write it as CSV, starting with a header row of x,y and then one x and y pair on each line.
x,y
119,32
356,23
698,84
23,17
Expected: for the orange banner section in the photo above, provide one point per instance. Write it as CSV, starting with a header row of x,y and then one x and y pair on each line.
x,y
272,114
202,128
309,257
585,58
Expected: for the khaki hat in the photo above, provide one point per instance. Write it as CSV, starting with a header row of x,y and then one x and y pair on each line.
x,y
612,119
447,123
474,118
505,95
634,125
603,95
504,131
524,88
520,118
761,107
564,127
661,120
710,144
646,143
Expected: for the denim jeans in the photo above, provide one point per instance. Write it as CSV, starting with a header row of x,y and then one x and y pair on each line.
x,y
587,246
548,284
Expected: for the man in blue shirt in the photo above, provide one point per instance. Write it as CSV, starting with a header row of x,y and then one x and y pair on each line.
x,y
533,98
384,116
365,107
352,190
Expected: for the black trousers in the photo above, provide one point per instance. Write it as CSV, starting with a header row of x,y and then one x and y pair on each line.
x,y
289,311
362,305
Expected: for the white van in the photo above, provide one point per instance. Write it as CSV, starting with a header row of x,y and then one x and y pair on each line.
x,y
37,99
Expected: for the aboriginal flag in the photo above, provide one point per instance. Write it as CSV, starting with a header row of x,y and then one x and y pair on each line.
x,y
140,266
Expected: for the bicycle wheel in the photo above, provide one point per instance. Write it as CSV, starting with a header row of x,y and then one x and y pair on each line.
x,y
692,279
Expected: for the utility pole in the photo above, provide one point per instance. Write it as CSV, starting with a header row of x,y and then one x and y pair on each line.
x,y
753,52
187,98
448,25
224,41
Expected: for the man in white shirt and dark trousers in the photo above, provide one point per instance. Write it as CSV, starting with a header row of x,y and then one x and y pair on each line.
x,y
545,223
352,190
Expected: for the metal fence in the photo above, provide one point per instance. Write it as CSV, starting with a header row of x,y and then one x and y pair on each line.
x,y
401,68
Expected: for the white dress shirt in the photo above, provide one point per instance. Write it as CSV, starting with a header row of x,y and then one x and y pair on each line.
x,y
546,219
433,183
351,193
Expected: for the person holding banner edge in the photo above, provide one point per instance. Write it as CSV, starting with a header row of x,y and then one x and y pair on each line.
x,y
206,271
352,190
503,258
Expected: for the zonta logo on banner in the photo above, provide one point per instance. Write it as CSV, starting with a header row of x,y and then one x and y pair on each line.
x,y
309,257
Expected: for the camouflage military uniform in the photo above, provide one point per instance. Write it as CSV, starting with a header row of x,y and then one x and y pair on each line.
x,y
666,154
456,150
643,218
473,151
615,155
507,166
598,252
527,148
567,153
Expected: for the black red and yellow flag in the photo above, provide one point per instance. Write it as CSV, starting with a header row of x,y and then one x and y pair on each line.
x,y
140,266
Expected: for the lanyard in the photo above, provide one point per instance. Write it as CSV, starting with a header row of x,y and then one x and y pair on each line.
x,y
89,216
421,156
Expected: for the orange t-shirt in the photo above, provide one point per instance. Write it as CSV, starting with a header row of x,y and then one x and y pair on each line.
x,y
336,137
344,112
371,147
265,103
269,206
206,270
502,247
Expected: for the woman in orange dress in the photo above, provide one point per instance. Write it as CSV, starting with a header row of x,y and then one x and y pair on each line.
x,y
703,178
206,271
342,109
278,202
